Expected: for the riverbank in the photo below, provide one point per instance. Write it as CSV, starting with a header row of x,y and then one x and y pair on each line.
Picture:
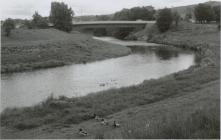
x,y
189,97
201,38
27,50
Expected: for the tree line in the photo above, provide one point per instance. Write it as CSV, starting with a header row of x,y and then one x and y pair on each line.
x,y
61,17
136,13
203,13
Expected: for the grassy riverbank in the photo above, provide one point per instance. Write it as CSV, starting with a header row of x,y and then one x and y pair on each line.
x,y
44,48
181,105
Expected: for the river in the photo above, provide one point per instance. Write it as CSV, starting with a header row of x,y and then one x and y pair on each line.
x,y
29,88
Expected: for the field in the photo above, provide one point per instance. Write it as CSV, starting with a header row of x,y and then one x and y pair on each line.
x,y
44,48
180,105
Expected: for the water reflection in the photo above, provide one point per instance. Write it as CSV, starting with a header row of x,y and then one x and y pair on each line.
x,y
166,54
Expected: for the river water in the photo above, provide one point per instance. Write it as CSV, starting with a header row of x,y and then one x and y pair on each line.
x,y
29,88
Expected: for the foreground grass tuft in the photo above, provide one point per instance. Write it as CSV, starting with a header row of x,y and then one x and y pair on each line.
x,y
199,124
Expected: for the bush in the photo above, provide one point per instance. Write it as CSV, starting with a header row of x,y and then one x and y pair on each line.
x,y
8,25
164,20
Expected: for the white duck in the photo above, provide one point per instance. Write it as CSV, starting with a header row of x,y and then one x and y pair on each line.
x,y
116,124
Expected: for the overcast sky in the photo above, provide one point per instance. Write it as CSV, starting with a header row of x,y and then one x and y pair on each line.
x,y
25,8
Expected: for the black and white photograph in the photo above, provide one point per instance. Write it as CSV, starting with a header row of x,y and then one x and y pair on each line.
x,y
110,69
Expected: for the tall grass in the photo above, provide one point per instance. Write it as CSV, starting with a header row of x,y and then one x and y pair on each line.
x,y
197,125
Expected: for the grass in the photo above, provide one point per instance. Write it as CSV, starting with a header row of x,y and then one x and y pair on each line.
x,y
44,48
201,38
197,124
77,110
202,123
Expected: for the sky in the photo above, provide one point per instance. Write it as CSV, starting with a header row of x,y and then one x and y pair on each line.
x,y
26,8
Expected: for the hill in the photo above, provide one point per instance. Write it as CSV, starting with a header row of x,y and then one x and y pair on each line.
x,y
183,10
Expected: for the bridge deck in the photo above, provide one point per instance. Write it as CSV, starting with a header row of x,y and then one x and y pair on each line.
x,y
111,22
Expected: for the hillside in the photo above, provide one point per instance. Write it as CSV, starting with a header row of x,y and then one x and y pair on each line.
x,y
42,48
183,10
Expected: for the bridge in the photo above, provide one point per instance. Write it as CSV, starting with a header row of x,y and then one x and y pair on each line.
x,y
111,24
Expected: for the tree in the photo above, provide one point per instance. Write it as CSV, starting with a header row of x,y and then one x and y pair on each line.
x,y
164,19
61,16
122,15
204,13
135,13
176,17
216,10
8,25
38,21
